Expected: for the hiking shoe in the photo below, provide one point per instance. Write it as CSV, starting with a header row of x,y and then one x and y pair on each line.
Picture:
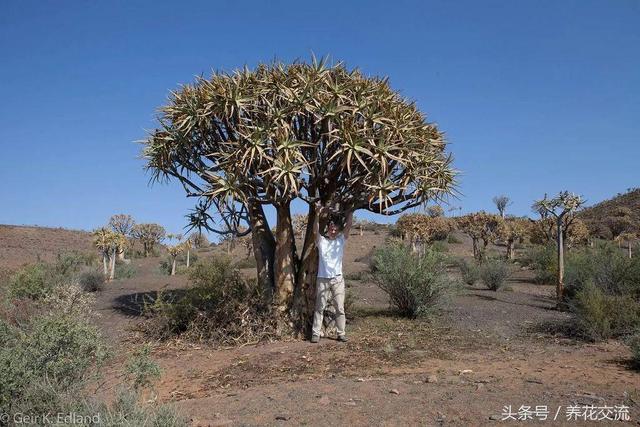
x,y
315,339
342,338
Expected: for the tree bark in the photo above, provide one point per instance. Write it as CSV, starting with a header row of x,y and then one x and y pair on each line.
x,y
264,246
121,254
305,290
629,247
188,257
285,257
173,266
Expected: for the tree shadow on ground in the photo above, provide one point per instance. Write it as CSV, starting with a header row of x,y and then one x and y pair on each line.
x,y
545,303
556,328
135,304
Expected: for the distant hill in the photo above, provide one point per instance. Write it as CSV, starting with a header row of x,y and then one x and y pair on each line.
x,y
21,245
608,215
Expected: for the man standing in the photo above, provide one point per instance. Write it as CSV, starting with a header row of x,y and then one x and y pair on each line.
x,y
330,281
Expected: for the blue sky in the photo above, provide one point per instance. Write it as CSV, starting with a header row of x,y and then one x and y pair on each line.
x,y
534,96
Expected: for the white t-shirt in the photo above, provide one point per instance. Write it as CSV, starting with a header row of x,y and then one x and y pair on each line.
x,y
330,256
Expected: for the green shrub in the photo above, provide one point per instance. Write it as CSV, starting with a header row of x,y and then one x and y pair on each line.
x,y
126,410
141,370
544,261
494,272
355,276
220,306
439,246
91,280
600,316
452,239
124,271
249,262
416,285
33,281
469,271
47,361
69,263
36,281
606,266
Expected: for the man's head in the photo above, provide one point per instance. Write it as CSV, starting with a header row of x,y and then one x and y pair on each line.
x,y
334,226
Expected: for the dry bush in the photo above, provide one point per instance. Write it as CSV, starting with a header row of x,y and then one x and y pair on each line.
x,y
220,306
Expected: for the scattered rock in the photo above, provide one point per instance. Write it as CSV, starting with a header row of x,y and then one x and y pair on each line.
x,y
360,380
533,380
432,379
394,391
465,371
283,417
350,403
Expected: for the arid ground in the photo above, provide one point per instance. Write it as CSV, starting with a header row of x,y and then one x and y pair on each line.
x,y
487,350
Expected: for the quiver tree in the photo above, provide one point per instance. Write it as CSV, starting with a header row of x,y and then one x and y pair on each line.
x,y
502,203
149,235
199,240
268,136
512,231
174,251
435,211
122,224
481,227
629,239
110,244
562,209
422,230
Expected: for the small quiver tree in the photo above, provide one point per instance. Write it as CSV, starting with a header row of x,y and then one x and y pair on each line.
x,y
122,224
628,238
512,231
562,209
149,235
481,227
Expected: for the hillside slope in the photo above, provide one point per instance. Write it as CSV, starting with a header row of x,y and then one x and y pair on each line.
x,y
25,244
621,209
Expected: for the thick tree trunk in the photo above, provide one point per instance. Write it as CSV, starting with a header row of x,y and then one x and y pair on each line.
x,y
264,246
285,258
173,266
188,258
305,291
146,249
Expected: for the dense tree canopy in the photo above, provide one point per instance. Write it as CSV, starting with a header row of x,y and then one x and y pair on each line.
x,y
300,130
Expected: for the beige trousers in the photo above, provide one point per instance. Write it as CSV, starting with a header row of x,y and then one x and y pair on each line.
x,y
324,289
